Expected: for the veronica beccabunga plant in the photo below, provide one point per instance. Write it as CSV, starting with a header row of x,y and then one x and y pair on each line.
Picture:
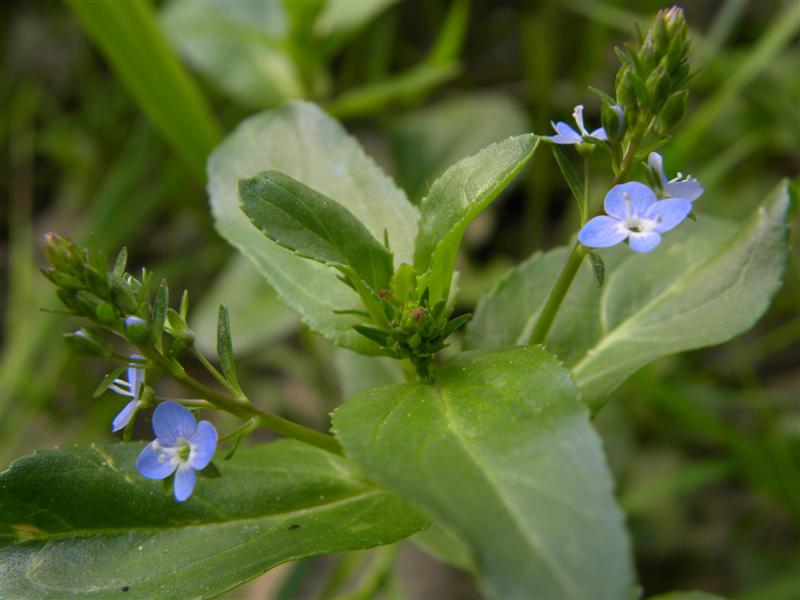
x,y
492,449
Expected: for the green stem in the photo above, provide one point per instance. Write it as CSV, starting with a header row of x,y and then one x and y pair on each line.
x,y
559,291
244,409
565,279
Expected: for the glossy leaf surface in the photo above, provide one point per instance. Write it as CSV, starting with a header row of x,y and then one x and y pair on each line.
x,y
81,522
502,452
314,226
455,199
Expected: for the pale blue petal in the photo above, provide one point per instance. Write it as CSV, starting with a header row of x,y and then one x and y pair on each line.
x,y
149,465
602,232
656,164
669,213
125,415
566,134
204,442
171,421
599,134
644,242
185,479
639,198
690,189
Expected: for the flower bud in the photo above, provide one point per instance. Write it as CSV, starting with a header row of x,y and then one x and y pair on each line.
x,y
177,327
138,330
87,343
63,254
87,303
657,85
613,118
626,92
123,297
673,111
105,313
660,36
675,21
64,280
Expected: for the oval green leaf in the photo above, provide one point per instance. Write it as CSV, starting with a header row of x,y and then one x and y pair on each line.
x,y
501,451
81,522
303,142
456,198
314,226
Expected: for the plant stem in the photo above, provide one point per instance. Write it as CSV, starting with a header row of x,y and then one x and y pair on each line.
x,y
244,409
564,281
556,297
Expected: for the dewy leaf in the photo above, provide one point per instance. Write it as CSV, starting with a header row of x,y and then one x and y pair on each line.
x,y
239,46
501,451
455,199
707,282
81,522
301,141
314,226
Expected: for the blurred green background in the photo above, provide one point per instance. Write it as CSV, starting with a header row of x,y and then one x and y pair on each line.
x,y
109,110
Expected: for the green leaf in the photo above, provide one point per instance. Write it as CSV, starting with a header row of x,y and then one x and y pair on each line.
x,y
571,177
707,282
314,226
686,595
427,141
239,46
81,522
258,317
315,150
159,313
225,346
455,199
128,36
501,451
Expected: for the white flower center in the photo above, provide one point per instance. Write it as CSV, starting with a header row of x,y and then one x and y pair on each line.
x,y
178,455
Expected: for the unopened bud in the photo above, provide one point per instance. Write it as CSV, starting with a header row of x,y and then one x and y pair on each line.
x,y
105,313
137,330
675,21
673,111
123,297
657,85
89,344
613,118
626,92
660,36
62,253
177,327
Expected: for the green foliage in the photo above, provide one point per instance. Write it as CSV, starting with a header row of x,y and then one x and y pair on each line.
x,y
455,199
78,521
709,281
316,151
427,141
128,35
314,226
501,451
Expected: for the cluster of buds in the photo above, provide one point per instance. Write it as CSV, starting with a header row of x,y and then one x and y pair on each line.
x,y
413,329
651,84
112,299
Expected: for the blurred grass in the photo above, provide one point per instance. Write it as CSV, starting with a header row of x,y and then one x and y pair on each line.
x,y
705,446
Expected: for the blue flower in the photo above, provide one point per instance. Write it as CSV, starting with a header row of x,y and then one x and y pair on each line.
x,y
634,214
132,388
182,446
567,135
679,187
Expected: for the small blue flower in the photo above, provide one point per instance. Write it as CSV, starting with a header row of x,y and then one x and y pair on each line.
x,y
634,214
182,446
567,135
132,388
679,187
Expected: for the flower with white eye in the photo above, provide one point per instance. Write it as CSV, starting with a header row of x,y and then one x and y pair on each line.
x,y
182,446
678,187
567,135
634,213
132,388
